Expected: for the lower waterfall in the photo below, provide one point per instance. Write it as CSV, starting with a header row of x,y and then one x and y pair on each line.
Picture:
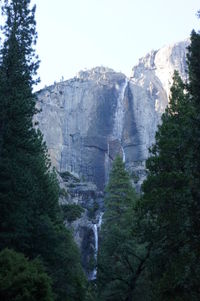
x,y
123,155
96,228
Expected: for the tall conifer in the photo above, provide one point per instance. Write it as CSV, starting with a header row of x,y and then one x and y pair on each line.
x,y
171,191
30,219
194,90
121,259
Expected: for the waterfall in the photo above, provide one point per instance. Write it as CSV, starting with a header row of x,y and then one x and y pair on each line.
x,y
119,113
119,116
100,220
96,228
123,155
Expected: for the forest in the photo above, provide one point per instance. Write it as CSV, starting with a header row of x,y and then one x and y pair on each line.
x,y
149,242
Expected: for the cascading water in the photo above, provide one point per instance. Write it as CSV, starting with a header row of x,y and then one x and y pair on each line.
x,y
123,155
96,228
119,114
117,134
100,220
117,127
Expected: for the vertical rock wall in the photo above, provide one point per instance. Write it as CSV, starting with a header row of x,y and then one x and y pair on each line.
x,y
87,120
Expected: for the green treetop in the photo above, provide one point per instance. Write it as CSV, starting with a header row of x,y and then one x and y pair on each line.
x,y
30,217
121,260
23,280
170,202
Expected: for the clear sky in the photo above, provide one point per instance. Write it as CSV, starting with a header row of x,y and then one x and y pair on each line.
x,y
78,34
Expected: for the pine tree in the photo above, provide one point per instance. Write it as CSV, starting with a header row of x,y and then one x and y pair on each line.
x,y
23,280
193,59
30,217
168,200
121,259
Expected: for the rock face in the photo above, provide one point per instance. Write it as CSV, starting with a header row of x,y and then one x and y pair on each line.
x,y
89,119
149,91
86,228
80,120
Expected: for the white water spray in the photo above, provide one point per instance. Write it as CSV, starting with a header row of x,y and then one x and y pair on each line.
x,y
119,114
123,155
100,220
96,228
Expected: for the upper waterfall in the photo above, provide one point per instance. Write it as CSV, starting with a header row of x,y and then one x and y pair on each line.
x,y
81,118
86,121
120,110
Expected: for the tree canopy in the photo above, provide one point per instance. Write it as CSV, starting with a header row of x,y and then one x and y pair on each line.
x,y
30,217
171,191
150,246
23,280
121,259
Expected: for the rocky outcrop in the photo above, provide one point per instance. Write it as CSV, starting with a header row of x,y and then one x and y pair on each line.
x,y
149,95
85,228
89,119
79,119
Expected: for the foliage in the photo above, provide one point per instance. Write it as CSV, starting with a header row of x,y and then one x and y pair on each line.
x,y
68,177
93,209
170,202
72,211
22,280
150,247
121,258
30,217
63,193
91,292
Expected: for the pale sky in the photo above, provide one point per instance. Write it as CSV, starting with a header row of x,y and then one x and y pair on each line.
x,y
78,34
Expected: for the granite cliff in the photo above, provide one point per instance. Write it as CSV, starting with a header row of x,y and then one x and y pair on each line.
x,y
89,119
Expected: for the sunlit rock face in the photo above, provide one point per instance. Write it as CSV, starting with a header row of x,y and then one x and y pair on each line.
x,y
149,95
88,120
81,120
